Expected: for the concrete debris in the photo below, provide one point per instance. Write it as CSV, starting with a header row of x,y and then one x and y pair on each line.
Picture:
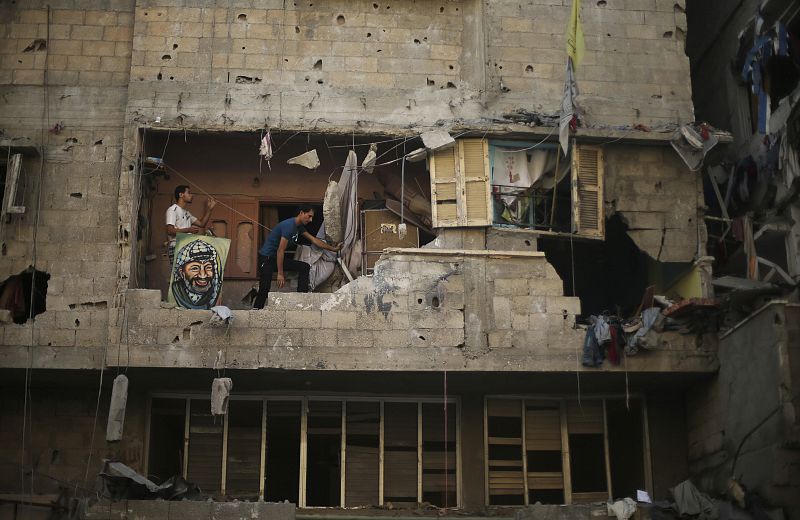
x,y
116,411
308,160
622,509
417,155
368,165
220,395
121,482
332,213
693,143
437,139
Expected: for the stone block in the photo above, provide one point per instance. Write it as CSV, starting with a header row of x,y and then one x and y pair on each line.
x,y
545,287
421,337
303,319
528,304
501,312
354,338
268,318
87,32
339,319
294,301
284,338
317,337
510,287
57,337
392,338
519,321
68,16
500,339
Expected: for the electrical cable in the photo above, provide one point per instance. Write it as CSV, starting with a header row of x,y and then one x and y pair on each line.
x,y
27,413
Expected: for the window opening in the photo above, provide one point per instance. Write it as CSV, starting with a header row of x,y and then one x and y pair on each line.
x,y
522,186
329,455
610,275
585,423
283,451
243,468
362,466
504,430
543,452
438,455
569,455
252,197
205,447
400,453
625,440
323,479
165,454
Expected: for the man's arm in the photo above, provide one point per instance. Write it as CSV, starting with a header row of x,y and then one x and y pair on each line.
x,y
280,253
210,203
321,244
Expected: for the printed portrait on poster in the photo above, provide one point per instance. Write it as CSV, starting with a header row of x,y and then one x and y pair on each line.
x,y
196,276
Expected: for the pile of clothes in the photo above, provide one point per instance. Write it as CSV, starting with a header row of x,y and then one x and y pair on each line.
x,y
609,337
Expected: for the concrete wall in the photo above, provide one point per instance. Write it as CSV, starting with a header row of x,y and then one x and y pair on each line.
x,y
756,382
103,65
396,63
659,199
58,439
159,509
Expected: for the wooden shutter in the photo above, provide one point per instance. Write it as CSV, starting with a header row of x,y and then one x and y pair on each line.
x,y
460,191
587,191
10,193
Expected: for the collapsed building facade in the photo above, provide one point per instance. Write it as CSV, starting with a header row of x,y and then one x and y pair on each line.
x,y
451,370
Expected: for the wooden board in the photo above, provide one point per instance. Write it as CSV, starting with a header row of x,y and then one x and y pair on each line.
x,y
377,236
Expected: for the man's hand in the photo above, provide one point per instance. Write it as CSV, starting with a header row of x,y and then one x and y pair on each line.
x,y
210,203
281,280
193,229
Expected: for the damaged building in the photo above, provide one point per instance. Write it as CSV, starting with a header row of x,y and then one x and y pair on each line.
x,y
543,295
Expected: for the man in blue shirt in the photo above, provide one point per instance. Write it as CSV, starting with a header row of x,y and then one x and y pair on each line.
x,y
271,256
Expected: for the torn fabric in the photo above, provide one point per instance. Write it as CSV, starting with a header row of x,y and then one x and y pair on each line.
x,y
265,150
568,110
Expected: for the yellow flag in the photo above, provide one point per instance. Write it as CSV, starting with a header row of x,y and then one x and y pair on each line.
x,y
575,45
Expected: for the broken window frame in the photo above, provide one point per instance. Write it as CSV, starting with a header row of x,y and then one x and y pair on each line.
x,y
304,400
563,403
450,182
11,180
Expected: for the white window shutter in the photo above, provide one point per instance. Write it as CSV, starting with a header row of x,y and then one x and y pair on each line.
x,y
587,191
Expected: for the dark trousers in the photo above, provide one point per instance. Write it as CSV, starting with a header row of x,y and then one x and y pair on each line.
x,y
268,265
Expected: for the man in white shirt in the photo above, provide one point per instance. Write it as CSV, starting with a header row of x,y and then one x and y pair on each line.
x,y
179,220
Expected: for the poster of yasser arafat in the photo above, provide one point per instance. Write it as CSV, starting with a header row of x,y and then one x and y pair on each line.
x,y
196,278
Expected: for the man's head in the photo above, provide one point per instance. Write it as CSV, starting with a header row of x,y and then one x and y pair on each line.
x,y
183,192
198,275
305,214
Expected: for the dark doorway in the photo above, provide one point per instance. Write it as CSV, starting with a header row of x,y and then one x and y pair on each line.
x,y
166,439
323,474
625,446
282,479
